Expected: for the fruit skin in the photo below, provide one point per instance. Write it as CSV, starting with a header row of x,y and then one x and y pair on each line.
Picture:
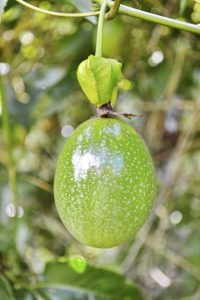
x,y
104,183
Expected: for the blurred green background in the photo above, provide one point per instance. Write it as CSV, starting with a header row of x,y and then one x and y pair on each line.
x,y
40,103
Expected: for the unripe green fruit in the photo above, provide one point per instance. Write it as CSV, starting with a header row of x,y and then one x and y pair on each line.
x,y
104,183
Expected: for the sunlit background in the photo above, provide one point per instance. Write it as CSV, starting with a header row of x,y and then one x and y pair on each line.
x,y
39,55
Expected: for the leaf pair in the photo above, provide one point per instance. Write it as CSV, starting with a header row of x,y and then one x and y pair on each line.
x,y
98,78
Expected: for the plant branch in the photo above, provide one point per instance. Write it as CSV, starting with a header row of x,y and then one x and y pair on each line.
x,y
143,15
100,29
125,10
58,14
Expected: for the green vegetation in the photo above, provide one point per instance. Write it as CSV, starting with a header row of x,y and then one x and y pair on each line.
x,y
40,98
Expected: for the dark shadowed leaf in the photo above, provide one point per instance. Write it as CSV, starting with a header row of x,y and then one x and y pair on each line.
x,y
24,294
5,289
93,281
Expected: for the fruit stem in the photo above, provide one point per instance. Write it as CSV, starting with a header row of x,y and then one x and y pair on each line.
x,y
100,29
107,111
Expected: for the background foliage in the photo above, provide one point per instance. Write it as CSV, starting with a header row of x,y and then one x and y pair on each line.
x,y
39,55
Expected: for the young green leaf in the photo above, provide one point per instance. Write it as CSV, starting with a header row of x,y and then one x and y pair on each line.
x,y
98,77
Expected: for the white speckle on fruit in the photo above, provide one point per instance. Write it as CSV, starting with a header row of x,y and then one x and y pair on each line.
x,y
113,129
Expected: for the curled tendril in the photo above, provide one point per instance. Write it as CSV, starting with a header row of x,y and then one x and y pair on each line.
x,y
113,10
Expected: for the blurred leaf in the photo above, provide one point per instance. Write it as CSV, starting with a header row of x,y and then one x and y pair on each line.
x,y
4,241
36,83
84,6
23,294
5,289
9,4
44,78
21,112
191,249
183,5
72,51
55,294
2,6
96,281
12,12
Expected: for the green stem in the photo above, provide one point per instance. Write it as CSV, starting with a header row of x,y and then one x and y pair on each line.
x,y
8,140
129,11
143,15
55,13
100,29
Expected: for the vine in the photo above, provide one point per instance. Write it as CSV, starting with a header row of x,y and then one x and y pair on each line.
x,y
125,10
143,15
58,14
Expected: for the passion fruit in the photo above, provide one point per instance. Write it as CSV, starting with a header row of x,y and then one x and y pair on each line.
x,y
104,183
